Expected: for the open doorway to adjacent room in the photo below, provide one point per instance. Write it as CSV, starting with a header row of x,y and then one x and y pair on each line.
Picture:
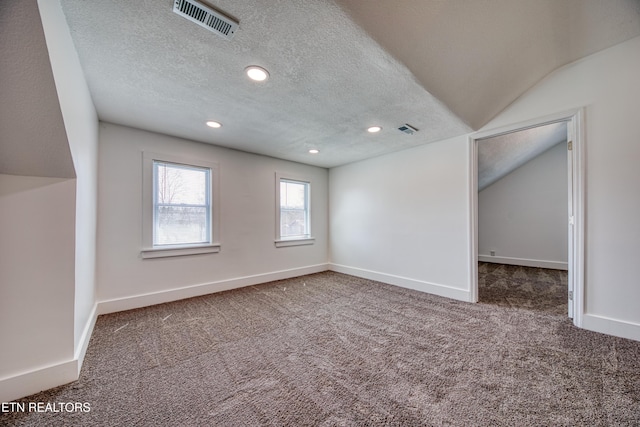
x,y
522,219
527,217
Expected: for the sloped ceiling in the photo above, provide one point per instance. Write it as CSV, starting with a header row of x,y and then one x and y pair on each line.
x,y
33,139
478,56
337,67
501,155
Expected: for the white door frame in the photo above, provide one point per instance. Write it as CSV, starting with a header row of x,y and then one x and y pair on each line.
x,y
574,119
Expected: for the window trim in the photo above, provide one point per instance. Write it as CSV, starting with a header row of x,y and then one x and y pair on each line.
x,y
306,239
148,249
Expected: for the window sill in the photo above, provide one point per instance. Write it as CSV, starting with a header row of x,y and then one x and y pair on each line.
x,y
283,243
179,251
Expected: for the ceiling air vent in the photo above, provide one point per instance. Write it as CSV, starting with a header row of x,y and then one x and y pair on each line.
x,y
408,129
206,17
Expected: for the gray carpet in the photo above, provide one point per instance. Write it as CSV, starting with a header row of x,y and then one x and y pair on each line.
x,y
512,286
335,350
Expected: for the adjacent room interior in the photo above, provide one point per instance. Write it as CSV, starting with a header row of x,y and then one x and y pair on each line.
x,y
523,206
184,185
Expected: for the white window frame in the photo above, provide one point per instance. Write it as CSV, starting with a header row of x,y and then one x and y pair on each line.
x,y
307,239
148,248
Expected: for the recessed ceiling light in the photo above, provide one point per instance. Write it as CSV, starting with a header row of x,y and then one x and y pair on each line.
x,y
213,124
374,129
314,151
256,73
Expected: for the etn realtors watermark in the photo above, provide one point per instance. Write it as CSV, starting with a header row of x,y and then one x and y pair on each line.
x,y
45,407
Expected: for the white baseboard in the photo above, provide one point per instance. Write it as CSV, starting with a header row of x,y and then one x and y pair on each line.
x,y
609,326
44,378
404,282
36,380
556,265
81,349
145,300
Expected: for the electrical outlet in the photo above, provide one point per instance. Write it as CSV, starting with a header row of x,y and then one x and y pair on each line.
x,y
493,253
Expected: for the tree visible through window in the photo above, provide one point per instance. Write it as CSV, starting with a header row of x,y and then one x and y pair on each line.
x,y
294,208
181,204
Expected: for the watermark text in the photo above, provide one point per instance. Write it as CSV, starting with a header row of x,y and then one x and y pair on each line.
x,y
45,407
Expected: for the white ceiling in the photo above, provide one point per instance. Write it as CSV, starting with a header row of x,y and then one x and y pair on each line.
x,y
478,56
337,67
500,155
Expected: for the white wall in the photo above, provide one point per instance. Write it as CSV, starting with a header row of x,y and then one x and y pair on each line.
x,y
46,256
405,214
404,218
606,84
523,216
81,125
36,280
247,223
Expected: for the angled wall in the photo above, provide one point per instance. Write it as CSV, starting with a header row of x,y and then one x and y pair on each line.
x,y
33,140
81,125
48,154
36,191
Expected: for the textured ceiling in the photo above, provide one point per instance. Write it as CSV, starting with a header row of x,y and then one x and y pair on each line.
x,y
150,68
500,155
478,56
336,67
33,139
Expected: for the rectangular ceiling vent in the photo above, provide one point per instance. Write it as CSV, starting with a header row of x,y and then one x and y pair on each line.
x,y
206,17
408,129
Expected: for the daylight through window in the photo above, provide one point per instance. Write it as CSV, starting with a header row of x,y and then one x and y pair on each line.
x,y
181,204
294,209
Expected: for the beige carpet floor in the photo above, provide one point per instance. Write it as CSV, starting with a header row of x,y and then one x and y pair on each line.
x,y
334,350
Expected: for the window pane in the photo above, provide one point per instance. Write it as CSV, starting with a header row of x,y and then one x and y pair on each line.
x,y
180,225
181,205
294,208
293,222
292,195
179,184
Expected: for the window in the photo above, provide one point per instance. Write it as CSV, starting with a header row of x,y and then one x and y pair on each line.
x,y
179,206
293,211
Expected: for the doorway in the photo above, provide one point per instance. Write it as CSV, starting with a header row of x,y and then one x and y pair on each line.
x,y
568,123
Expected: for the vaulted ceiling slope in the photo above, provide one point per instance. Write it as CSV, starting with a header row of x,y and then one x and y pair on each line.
x,y
33,139
337,67
500,155
478,56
